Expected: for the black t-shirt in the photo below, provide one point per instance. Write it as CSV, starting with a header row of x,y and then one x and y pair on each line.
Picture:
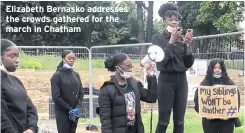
x,y
130,104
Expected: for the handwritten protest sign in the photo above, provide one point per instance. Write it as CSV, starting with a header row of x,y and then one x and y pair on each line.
x,y
218,101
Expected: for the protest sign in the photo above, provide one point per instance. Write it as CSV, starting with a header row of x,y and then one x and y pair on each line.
x,y
218,101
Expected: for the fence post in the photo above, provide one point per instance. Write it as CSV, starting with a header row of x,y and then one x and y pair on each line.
x,y
91,110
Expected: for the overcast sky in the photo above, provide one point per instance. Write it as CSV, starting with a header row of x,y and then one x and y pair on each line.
x,y
156,7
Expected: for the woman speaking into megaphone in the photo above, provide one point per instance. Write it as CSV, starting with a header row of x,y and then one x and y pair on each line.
x,y
172,81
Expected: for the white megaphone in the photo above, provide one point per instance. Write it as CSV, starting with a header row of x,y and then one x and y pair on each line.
x,y
154,54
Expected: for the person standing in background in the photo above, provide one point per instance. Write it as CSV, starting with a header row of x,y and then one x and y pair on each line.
x,y
18,114
67,93
217,75
172,81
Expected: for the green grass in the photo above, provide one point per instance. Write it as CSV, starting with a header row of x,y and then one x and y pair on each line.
x,y
235,64
50,62
192,123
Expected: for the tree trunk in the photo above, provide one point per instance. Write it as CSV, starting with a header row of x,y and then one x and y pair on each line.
x,y
87,35
149,27
141,31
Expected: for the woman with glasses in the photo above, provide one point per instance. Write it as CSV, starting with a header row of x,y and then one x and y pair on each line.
x,y
119,98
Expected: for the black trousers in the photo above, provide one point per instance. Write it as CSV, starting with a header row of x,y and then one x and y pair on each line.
x,y
64,125
217,126
131,129
172,94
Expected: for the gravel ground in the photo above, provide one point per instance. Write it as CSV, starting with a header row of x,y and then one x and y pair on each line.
x,y
47,126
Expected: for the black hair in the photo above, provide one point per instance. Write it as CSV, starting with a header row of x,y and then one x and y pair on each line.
x,y
5,44
63,55
210,71
112,62
169,10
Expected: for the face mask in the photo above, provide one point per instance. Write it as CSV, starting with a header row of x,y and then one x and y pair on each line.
x,y
217,76
125,75
2,67
68,66
170,29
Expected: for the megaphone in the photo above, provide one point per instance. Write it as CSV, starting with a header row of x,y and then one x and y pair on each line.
x,y
154,54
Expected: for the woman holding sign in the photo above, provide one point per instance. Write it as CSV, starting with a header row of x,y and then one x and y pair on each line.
x,y
217,75
172,81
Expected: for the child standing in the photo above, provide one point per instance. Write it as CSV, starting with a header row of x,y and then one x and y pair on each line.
x,y
217,75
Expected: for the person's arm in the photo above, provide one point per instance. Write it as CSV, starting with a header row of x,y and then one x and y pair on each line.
x,y
167,47
149,95
105,110
6,122
239,99
196,106
188,57
238,94
237,121
81,93
230,82
196,101
32,117
55,88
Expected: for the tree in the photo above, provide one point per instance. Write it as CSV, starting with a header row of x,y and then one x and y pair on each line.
x,y
100,33
209,17
222,14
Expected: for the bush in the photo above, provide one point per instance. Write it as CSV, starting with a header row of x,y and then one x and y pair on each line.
x,y
31,64
34,64
28,62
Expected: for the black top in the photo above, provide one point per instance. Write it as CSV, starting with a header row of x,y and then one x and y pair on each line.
x,y
113,115
176,59
17,110
66,86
